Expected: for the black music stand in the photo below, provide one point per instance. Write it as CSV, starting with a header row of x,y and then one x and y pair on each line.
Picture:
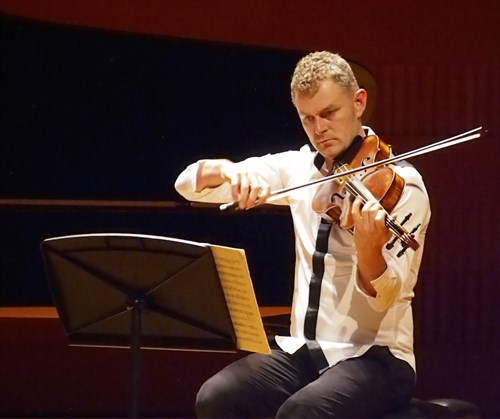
x,y
136,291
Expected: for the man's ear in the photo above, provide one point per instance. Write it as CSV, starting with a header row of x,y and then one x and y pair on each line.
x,y
360,100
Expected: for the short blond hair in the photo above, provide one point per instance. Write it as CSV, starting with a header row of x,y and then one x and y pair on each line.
x,y
318,66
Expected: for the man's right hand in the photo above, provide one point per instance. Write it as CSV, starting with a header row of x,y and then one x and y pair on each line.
x,y
248,188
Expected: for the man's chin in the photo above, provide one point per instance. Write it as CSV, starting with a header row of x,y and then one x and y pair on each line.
x,y
331,152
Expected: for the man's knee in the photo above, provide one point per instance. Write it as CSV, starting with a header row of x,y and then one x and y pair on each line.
x,y
217,398
208,400
299,406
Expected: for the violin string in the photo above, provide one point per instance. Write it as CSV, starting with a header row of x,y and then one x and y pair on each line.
x,y
358,189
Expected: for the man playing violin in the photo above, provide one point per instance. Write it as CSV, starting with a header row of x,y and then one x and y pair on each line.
x,y
350,349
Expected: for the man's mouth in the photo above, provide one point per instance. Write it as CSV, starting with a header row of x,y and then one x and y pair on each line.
x,y
324,141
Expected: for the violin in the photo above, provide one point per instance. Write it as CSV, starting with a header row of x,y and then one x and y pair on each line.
x,y
358,179
334,200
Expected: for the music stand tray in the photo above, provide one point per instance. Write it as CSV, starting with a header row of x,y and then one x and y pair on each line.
x,y
138,291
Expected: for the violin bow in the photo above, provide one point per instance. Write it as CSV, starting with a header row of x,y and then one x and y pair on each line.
x,y
447,142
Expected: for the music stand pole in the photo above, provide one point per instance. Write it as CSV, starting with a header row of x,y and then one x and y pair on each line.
x,y
136,306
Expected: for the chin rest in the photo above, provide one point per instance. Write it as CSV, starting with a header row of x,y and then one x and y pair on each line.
x,y
436,408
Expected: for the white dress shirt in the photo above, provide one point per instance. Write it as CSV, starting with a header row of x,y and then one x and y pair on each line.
x,y
349,321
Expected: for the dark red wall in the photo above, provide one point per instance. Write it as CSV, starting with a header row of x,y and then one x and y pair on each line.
x,y
368,31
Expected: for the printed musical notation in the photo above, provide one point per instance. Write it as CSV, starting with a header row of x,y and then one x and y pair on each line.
x,y
238,290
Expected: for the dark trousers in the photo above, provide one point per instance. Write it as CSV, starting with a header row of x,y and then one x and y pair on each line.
x,y
289,386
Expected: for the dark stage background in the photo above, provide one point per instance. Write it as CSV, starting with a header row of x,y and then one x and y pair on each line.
x,y
95,115
103,103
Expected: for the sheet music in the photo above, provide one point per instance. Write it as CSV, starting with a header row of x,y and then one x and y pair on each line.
x,y
240,297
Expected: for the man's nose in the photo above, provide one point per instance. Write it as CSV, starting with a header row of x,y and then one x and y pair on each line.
x,y
319,125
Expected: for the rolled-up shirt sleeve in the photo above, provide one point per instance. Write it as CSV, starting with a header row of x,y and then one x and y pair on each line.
x,y
185,185
271,167
398,280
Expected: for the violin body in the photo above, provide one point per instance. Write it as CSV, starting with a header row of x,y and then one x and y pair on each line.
x,y
334,199
386,187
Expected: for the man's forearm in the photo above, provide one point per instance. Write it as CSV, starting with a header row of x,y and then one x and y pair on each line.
x,y
210,174
370,267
